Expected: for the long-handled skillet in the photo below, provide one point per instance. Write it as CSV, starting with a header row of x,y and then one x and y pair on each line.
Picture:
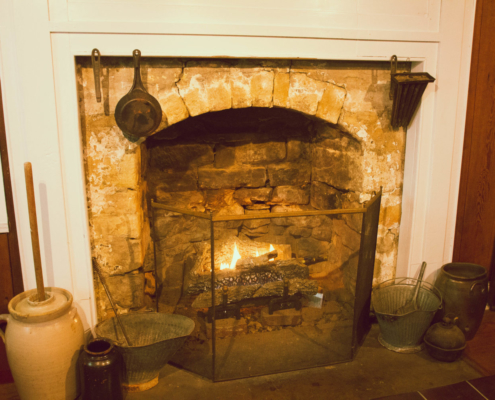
x,y
138,113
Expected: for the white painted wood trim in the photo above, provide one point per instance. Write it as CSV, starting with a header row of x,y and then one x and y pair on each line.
x,y
414,20
236,30
73,175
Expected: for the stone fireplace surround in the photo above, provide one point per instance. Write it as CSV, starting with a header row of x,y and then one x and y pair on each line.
x,y
238,136
43,125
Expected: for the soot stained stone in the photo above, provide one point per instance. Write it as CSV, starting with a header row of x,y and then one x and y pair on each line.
x,y
324,197
248,197
260,153
299,232
224,156
290,195
297,149
127,290
324,231
341,170
309,247
255,232
215,178
174,181
192,200
350,238
332,138
181,156
289,174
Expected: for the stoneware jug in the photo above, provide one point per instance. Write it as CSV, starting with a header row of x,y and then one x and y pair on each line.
x,y
43,341
464,289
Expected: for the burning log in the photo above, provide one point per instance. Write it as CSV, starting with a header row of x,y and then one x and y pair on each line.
x,y
270,271
253,262
238,293
303,286
314,260
235,294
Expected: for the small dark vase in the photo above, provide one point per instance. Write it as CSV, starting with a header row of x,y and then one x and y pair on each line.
x,y
101,369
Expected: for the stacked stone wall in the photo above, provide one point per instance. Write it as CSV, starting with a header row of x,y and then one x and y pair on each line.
x,y
345,151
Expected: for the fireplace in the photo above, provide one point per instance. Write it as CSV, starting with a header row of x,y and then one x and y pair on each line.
x,y
237,137
281,156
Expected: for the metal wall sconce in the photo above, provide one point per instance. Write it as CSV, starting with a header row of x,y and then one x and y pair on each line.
x,y
406,90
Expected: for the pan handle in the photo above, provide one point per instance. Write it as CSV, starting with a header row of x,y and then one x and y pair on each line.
x,y
138,84
393,71
95,60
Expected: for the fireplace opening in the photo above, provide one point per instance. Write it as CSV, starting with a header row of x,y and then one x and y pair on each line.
x,y
285,256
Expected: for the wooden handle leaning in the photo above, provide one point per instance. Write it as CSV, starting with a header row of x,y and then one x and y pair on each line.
x,y
28,171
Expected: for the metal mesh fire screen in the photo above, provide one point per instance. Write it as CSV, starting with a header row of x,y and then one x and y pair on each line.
x,y
262,308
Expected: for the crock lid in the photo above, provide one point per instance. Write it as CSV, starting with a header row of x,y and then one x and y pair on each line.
x,y
25,308
464,271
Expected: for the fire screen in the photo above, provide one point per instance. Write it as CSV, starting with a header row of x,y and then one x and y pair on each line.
x,y
266,306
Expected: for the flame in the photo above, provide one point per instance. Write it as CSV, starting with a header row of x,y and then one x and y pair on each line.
x,y
271,249
236,256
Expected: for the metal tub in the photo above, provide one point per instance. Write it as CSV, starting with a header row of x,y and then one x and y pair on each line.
x,y
404,333
155,338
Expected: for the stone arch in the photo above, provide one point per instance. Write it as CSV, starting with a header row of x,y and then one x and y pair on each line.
x,y
205,86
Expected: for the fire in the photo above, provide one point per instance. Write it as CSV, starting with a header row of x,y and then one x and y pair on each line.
x,y
235,257
271,249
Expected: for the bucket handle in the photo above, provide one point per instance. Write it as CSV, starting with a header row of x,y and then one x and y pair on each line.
x,y
474,285
3,317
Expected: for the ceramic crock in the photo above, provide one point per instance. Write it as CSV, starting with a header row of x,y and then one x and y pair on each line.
x,y
43,341
464,288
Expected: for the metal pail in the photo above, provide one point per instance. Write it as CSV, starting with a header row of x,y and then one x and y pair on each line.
x,y
404,333
155,338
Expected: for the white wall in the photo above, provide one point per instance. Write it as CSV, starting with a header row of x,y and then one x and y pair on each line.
x,y
38,42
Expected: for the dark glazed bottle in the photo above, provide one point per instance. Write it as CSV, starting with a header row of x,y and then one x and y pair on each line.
x,y
464,288
101,369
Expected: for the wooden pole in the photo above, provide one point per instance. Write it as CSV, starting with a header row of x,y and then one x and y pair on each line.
x,y
28,171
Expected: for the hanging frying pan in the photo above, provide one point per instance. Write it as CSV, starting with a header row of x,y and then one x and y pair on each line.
x,y
138,113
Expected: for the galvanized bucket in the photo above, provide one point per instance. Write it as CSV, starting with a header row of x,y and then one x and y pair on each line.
x,y
404,333
155,338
